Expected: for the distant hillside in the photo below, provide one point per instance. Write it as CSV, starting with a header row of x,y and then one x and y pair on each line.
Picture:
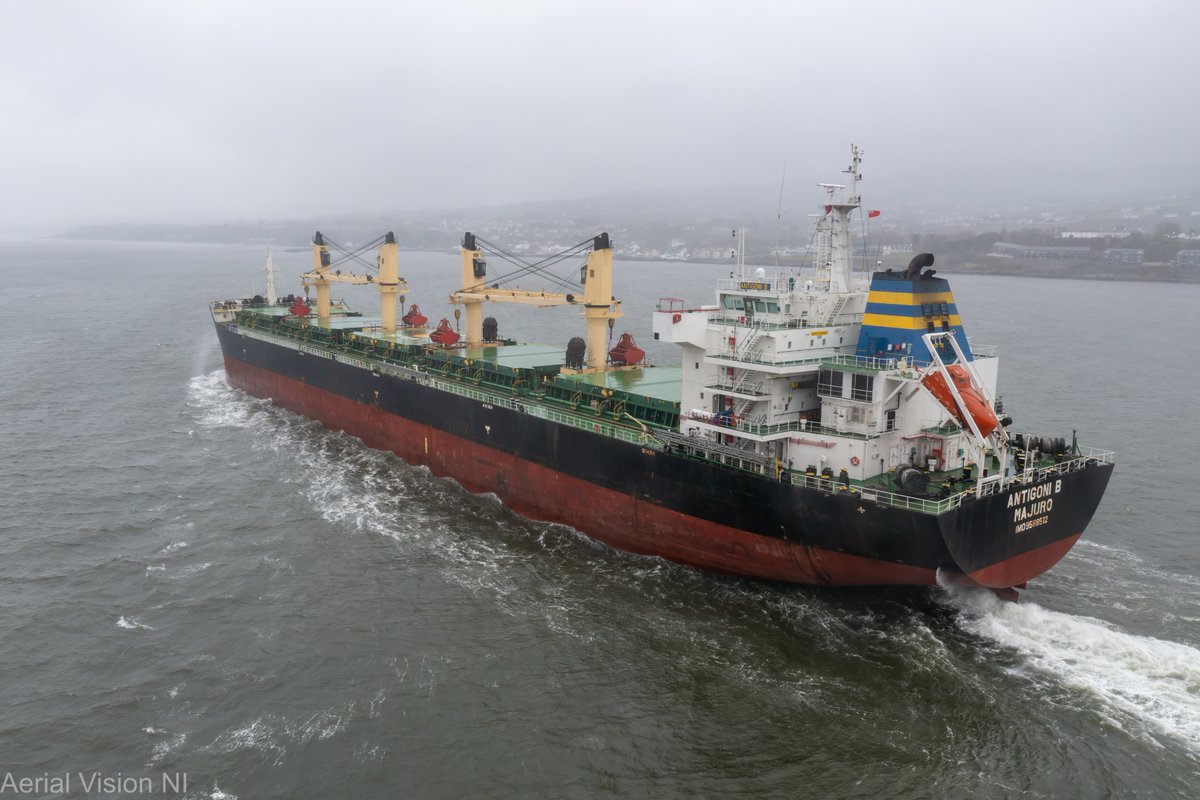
x,y
697,226
294,233
441,229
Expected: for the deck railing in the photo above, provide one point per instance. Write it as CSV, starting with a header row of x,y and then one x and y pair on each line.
x,y
747,358
1080,459
1037,473
869,362
923,504
1085,457
542,411
753,388
764,429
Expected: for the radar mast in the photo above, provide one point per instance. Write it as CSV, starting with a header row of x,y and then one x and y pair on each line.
x,y
269,268
840,260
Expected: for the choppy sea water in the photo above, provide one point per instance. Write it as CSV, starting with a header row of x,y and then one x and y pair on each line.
x,y
195,582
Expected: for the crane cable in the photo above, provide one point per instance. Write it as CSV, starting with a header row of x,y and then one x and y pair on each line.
x,y
540,267
347,255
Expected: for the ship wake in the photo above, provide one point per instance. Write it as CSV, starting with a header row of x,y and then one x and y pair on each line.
x,y
1146,686
357,488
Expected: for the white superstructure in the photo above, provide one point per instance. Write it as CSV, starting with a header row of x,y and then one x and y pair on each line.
x,y
775,369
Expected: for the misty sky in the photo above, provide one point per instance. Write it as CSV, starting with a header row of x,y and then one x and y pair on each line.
x,y
207,111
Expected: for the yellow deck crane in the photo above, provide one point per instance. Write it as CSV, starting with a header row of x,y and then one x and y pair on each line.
x,y
600,308
389,281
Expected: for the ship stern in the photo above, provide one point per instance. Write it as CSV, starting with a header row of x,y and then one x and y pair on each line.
x,y
1007,538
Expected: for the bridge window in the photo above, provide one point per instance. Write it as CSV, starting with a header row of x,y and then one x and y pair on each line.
x,y
829,383
862,388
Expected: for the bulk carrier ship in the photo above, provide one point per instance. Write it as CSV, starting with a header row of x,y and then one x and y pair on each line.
x,y
820,429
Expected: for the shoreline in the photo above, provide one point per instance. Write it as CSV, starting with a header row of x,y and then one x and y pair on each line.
x,y
1067,270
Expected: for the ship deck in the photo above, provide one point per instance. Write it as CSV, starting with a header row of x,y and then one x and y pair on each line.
x,y
637,404
532,355
660,383
659,387
339,318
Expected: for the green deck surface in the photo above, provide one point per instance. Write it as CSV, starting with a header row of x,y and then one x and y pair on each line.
x,y
653,383
661,383
341,324
406,336
516,356
338,319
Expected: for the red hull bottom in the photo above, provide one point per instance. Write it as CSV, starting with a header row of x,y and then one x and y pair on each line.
x,y
616,519
1034,562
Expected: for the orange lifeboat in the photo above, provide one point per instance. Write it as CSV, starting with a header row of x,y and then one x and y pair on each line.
x,y
979,408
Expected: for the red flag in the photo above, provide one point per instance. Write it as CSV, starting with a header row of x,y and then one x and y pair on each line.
x,y
828,209
873,214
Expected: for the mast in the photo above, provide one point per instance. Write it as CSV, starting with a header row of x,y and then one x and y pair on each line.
x,y
739,254
598,301
320,275
779,214
841,262
473,269
390,284
269,268
600,308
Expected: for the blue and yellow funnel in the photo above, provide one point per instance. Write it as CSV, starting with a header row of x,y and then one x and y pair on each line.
x,y
901,307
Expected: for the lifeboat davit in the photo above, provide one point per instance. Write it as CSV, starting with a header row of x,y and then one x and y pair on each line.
x,y
444,335
978,407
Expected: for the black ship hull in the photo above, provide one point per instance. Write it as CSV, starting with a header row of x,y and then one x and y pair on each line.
x,y
654,501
